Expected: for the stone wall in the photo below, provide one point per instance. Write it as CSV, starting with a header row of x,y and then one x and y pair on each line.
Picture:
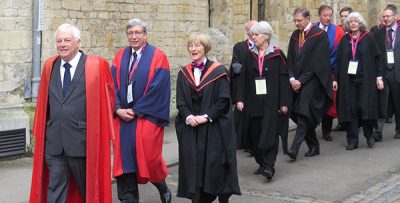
x,y
15,49
171,21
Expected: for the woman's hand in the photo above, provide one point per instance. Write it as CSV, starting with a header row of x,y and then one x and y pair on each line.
x,y
379,84
240,106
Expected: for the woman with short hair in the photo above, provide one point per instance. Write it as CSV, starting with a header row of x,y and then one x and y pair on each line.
x,y
359,77
263,96
204,127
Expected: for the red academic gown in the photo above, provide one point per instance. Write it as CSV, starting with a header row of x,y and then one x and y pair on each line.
x,y
100,98
138,143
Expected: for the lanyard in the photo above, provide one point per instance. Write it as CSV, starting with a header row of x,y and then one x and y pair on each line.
x,y
136,63
260,63
354,43
393,37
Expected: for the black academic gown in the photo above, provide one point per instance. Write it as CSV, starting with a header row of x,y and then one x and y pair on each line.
x,y
239,51
368,55
265,106
310,64
210,148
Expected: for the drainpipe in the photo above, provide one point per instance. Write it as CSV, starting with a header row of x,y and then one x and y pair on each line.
x,y
261,10
36,47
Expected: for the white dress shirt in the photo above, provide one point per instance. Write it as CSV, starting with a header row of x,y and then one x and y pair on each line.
x,y
74,63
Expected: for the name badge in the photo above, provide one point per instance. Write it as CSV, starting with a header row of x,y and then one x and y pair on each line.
x,y
390,57
352,70
261,86
129,95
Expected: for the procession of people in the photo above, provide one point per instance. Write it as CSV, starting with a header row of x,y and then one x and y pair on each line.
x,y
342,72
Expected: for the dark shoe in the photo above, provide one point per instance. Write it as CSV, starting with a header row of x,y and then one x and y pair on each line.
x,y
351,147
292,154
397,136
339,127
388,120
371,142
327,137
268,174
312,152
259,171
165,193
377,136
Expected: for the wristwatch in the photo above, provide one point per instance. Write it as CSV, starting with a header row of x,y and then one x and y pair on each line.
x,y
208,118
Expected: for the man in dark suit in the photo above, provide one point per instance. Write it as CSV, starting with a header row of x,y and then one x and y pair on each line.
x,y
311,80
70,127
243,141
388,40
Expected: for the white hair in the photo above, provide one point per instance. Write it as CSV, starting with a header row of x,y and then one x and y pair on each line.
x,y
263,27
136,21
357,17
68,27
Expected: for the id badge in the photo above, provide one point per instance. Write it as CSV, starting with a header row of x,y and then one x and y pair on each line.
x,y
261,86
352,70
129,95
390,57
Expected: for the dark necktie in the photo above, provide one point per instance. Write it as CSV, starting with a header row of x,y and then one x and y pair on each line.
x,y
67,78
390,33
134,54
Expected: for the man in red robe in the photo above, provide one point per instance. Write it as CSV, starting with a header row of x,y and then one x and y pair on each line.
x,y
72,126
142,82
335,34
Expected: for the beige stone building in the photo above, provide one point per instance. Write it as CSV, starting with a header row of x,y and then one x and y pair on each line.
x,y
27,37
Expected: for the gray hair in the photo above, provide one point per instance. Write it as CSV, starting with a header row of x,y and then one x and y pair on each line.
x,y
68,27
357,17
135,22
262,27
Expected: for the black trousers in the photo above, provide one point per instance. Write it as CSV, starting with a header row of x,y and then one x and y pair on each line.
x,y
266,158
356,115
203,197
61,167
394,97
305,131
326,124
127,188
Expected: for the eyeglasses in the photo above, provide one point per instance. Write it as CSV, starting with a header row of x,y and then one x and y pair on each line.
x,y
194,46
387,16
298,20
136,33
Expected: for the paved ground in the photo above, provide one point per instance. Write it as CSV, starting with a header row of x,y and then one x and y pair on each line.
x,y
337,175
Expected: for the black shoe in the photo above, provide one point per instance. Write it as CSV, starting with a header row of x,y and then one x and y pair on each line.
x,y
351,147
371,142
388,120
165,193
259,171
292,154
397,136
377,136
327,137
312,152
339,127
268,174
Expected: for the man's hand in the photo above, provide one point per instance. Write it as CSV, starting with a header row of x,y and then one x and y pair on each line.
x,y
296,85
125,114
283,109
335,86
